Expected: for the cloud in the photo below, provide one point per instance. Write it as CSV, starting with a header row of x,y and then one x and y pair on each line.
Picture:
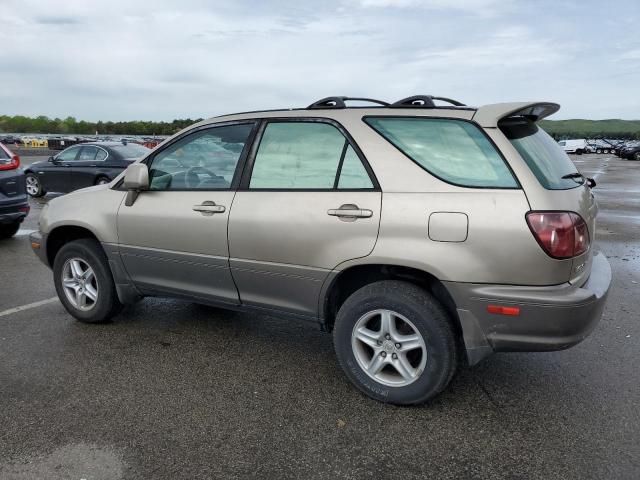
x,y
118,60
56,20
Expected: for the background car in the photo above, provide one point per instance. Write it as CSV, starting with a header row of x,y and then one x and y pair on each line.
x,y
14,205
631,151
81,166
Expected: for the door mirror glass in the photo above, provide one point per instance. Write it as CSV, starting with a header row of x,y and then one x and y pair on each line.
x,y
136,177
51,159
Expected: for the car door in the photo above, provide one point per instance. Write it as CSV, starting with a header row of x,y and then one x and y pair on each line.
x,y
173,239
56,175
87,166
308,203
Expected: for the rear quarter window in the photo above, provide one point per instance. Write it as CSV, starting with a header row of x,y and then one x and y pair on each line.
x,y
455,151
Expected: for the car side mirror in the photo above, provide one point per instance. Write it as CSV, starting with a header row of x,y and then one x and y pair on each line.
x,y
591,182
136,179
51,159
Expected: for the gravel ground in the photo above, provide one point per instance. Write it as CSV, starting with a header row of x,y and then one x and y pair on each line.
x,y
176,390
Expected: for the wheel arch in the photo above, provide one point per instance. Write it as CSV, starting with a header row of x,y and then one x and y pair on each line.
x,y
64,234
355,277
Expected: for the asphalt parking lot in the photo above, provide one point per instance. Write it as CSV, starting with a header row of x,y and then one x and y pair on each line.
x,y
177,390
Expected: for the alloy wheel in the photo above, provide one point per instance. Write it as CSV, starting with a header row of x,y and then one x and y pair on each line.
x,y
80,284
33,186
389,348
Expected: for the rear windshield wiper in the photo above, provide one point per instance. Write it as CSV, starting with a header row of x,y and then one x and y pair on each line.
x,y
575,175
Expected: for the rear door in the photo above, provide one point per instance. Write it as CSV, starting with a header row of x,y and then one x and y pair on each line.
x,y
308,202
87,166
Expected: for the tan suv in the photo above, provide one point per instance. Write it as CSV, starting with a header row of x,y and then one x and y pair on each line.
x,y
422,235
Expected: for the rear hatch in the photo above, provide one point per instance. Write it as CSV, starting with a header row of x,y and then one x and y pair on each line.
x,y
560,187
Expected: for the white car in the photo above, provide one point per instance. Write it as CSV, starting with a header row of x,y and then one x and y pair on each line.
x,y
578,146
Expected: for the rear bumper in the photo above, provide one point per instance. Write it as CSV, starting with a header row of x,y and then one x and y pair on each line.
x,y
12,213
550,318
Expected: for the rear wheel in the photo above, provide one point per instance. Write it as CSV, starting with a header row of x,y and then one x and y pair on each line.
x,y
102,181
9,230
84,282
34,187
395,342
636,156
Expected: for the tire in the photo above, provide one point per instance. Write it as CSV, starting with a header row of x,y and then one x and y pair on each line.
x,y
102,181
432,363
9,230
34,187
598,151
579,152
636,156
86,253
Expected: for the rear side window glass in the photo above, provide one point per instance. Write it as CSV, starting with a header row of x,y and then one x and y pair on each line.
x,y
101,155
353,174
87,154
3,154
302,155
546,158
455,151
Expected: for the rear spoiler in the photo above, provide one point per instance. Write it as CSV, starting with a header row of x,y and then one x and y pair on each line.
x,y
489,115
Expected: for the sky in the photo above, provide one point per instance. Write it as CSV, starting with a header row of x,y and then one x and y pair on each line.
x,y
160,60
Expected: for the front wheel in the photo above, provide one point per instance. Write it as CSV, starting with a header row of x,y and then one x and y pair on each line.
x,y
102,181
636,156
9,230
395,342
84,282
34,187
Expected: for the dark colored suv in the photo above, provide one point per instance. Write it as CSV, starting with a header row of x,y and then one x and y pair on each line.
x,y
14,205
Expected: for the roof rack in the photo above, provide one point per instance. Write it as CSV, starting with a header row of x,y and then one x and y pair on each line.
x,y
339,102
423,101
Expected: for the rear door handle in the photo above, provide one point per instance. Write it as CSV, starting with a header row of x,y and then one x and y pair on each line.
x,y
208,208
350,211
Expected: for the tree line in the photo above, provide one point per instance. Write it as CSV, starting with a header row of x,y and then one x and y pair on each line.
x,y
618,129
69,125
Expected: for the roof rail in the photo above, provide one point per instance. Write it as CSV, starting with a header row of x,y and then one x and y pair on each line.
x,y
423,101
339,102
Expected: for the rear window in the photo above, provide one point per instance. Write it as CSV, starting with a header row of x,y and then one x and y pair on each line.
x,y
452,150
3,154
546,159
131,150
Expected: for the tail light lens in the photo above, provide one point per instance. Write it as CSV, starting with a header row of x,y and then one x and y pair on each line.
x,y
10,163
560,234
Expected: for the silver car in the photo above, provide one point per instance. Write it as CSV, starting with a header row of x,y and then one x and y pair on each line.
x,y
423,235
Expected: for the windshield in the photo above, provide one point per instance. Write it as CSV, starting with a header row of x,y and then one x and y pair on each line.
x,y
546,159
131,150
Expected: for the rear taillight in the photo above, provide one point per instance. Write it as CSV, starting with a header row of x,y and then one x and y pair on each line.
x,y
560,234
10,163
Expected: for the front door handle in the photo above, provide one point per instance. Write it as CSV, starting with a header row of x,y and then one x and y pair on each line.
x,y
208,208
350,211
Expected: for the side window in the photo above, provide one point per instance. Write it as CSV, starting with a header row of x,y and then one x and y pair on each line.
x,y
353,175
68,155
204,160
303,155
87,154
101,155
455,151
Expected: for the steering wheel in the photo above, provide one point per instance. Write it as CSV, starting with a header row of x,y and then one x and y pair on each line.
x,y
193,180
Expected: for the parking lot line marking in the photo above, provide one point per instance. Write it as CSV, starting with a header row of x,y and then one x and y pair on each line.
x,y
28,306
23,232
